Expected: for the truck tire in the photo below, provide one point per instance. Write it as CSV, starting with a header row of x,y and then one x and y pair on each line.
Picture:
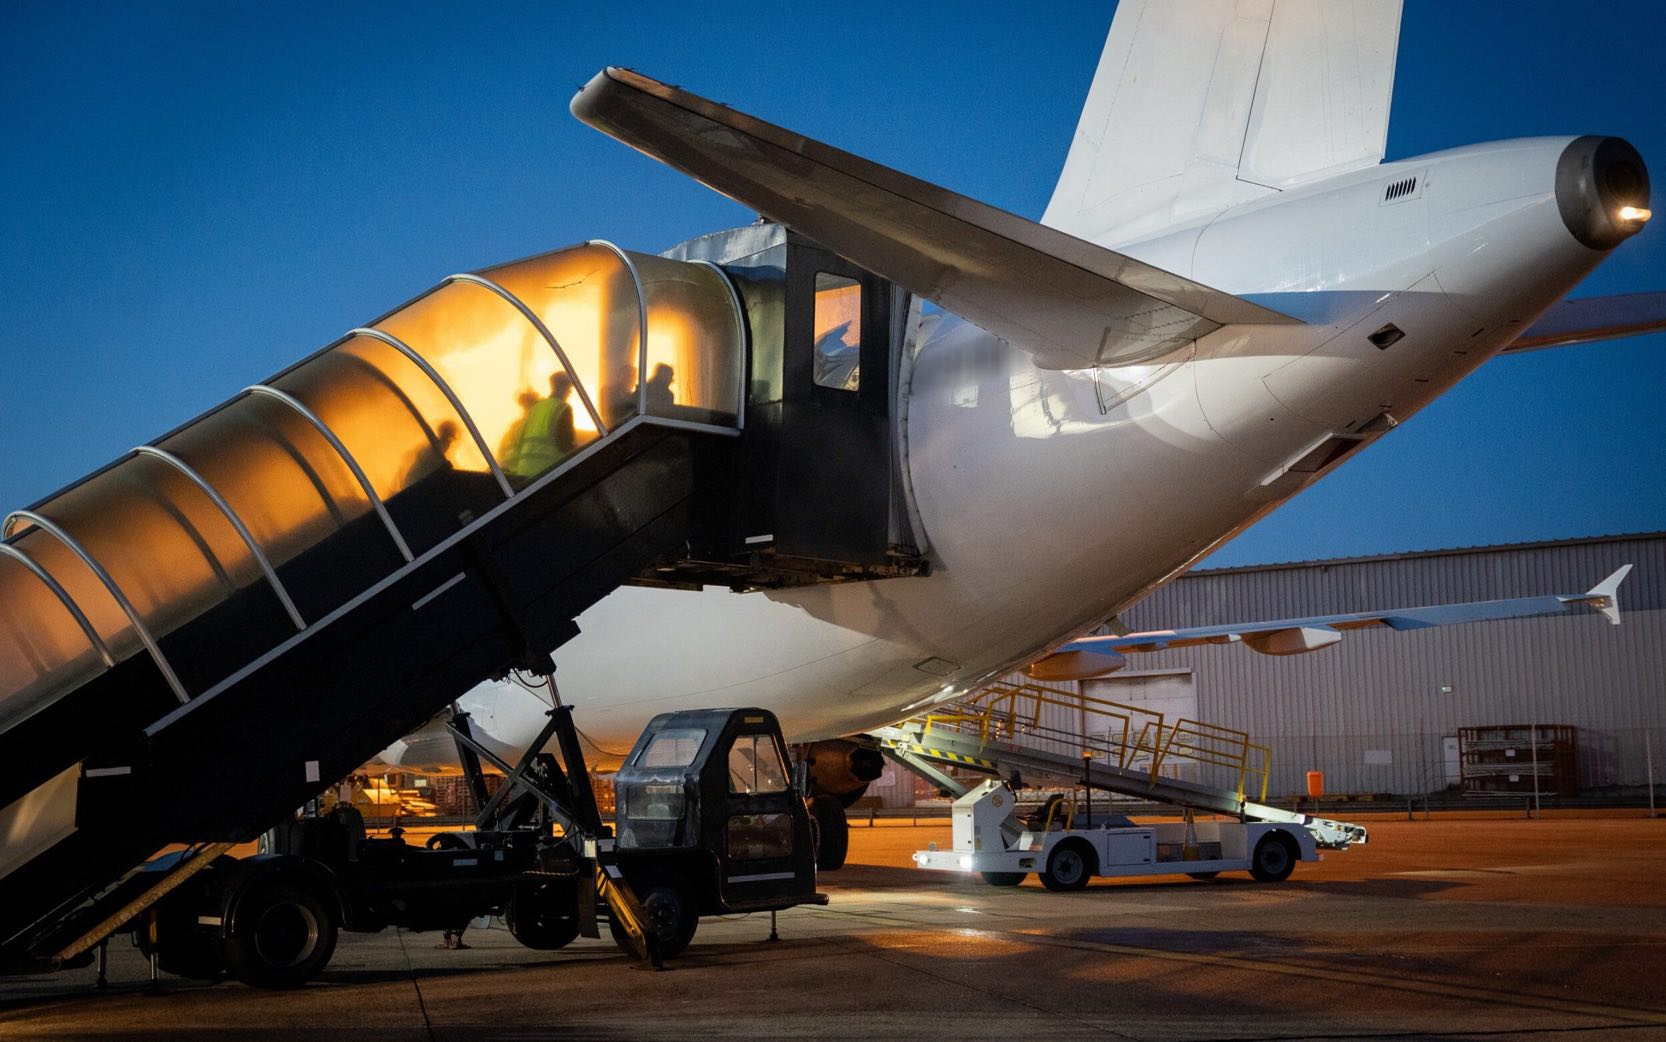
x,y
283,937
1069,867
671,915
543,916
833,844
1004,878
1274,858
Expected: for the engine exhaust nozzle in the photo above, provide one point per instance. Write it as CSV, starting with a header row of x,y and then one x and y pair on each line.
x,y
1602,190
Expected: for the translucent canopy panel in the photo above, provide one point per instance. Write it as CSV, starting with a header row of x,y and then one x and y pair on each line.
x,y
415,447
172,552
587,299
696,342
43,650
524,401
294,493
262,518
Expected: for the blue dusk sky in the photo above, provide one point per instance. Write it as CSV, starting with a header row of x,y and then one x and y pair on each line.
x,y
194,195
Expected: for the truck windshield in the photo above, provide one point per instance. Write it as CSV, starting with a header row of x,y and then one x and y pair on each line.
x,y
675,748
755,766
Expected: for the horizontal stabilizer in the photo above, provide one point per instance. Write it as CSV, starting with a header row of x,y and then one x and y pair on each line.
x,y
1594,318
1296,636
1068,303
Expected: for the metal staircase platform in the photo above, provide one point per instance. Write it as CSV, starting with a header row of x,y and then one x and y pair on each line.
x,y
1011,729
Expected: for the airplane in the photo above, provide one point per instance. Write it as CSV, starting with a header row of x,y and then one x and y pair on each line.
x,y
1228,295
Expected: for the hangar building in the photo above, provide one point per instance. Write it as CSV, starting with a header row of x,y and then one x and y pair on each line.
x,y
1403,712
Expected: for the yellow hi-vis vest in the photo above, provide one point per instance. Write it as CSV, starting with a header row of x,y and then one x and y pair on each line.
x,y
535,451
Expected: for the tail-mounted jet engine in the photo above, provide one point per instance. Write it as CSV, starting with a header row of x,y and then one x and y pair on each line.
x,y
840,768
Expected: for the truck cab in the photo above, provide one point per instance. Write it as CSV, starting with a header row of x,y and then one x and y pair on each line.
x,y
709,821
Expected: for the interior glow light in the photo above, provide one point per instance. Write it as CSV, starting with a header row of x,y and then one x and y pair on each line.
x,y
1635,213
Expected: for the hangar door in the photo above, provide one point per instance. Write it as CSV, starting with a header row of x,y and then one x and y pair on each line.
x,y
1172,694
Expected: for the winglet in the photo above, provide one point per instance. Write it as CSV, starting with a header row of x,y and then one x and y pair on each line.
x,y
1605,595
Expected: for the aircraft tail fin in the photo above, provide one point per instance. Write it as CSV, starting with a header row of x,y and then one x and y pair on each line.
x,y
1200,106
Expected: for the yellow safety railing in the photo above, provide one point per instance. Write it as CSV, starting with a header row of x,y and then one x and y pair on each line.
x,y
1129,737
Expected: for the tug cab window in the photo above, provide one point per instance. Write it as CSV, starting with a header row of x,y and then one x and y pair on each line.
x,y
755,766
838,332
676,748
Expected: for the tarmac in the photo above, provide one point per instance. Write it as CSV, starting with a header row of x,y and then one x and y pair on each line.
x,y
1451,928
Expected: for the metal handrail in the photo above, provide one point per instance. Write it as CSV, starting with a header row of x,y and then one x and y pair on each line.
x,y
450,396
537,323
346,457
1010,711
641,321
243,532
74,546
62,594
740,341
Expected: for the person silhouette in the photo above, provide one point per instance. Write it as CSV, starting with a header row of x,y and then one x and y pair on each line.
x,y
624,394
512,437
546,433
659,396
432,458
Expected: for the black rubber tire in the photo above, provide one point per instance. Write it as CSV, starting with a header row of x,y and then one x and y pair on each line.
x,y
671,914
445,841
833,832
1070,866
1004,878
284,937
1274,858
1203,877
543,916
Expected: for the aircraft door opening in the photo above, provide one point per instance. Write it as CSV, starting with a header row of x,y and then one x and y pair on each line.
x,y
834,500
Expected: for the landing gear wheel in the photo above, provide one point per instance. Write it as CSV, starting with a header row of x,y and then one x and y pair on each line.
x,y
284,936
543,916
670,913
1069,866
1004,878
1203,877
833,844
1274,858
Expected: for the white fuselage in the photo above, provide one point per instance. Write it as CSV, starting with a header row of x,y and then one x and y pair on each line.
x,y
1051,501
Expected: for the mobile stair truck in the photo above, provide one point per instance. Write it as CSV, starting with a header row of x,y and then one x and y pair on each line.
x,y
203,635
1066,852
1013,731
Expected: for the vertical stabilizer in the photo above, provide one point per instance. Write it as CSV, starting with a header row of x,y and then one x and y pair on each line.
x,y
1202,105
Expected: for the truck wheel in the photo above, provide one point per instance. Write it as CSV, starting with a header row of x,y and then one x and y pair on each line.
x,y
1274,858
1004,878
834,830
284,936
671,915
543,916
1069,866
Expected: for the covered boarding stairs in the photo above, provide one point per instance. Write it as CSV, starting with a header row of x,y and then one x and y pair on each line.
x,y
197,637
1038,731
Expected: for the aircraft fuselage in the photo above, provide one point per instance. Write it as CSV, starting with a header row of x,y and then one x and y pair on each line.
x,y
1052,500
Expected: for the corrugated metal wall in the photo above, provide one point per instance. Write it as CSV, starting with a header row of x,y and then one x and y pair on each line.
x,y
1380,691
